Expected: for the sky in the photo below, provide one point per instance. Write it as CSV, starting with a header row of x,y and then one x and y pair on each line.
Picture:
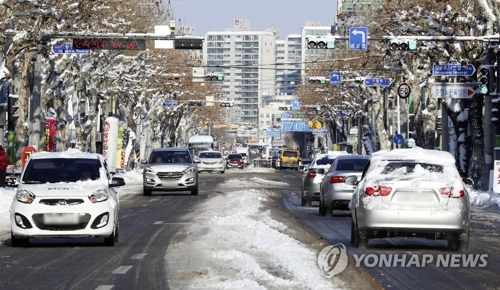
x,y
288,16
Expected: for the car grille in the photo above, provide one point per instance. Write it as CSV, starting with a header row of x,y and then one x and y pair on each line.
x,y
169,175
84,221
210,163
61,201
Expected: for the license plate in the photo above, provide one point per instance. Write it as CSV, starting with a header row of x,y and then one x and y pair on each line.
x,y
61,219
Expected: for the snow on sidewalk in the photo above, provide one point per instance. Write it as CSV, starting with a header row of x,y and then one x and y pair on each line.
x,y
233,244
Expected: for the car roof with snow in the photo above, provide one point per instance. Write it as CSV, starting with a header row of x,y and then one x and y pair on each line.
x,y
68,154
415,154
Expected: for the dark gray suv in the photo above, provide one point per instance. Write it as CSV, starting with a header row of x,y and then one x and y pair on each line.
x,y
170,169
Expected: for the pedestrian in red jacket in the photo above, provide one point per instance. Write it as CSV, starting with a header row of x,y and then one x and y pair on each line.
x,y
4,162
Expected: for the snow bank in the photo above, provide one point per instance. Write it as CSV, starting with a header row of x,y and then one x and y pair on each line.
x,y
484,198
232,244
131,177
6,195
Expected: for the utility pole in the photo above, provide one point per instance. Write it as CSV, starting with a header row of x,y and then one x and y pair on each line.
x,y
35,109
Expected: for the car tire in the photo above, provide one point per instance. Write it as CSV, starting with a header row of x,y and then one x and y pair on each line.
x,y
223,171
324,209
305,202
458,242
359,239
147,192
112,239
194,191
17,242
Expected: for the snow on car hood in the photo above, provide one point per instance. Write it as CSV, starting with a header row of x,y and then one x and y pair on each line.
x,y
169,167
63,189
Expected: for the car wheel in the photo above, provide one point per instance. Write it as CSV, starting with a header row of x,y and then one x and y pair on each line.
x,y
305,202
147,192
17,242
112,239
194,191
359,239
458,241
223,171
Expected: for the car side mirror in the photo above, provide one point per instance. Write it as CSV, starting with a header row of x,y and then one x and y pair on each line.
x,y
320,171
196,160
468,182
351,180
117,181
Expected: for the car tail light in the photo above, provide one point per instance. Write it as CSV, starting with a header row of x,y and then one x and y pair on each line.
x,y
337,179
311,174
451,192
376,190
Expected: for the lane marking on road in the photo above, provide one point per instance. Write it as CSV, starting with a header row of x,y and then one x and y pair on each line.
x,y
105,287
122,269
138,256
167,223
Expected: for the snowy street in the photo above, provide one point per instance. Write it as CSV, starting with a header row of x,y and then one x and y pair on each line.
x,y
246,230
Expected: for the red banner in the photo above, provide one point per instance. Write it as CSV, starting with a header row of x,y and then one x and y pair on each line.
x,y
26,154
50,132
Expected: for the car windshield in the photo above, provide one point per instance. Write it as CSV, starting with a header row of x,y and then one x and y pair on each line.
x,y
61,170
289,153
324,161
170,157
234,156
351,164
210,155
410,167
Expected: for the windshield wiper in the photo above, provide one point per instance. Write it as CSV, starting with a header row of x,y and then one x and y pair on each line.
x,y
32,182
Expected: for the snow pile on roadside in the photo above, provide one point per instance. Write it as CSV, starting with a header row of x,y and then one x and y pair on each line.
x,y
132,176
232,244
484,198
252,168
6,195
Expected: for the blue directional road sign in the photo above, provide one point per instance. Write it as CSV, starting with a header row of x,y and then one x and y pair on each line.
x,y
453,70
320,131
376,82
295,126
335,78
398,139
68,48
286,115
170,104
358,38
273,133
296,105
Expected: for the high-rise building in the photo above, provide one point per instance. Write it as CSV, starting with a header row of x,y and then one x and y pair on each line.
x,y
247,60
288,64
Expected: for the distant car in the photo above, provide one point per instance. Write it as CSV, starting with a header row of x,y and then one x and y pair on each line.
x,y
170,169
311,179
335,194
65,194
411,193
235,160
211,161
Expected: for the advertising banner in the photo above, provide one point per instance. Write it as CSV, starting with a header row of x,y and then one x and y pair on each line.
x,y
109,143
50,132
26,154
121,145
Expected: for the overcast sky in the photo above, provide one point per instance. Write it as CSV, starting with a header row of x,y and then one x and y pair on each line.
x,y
288,16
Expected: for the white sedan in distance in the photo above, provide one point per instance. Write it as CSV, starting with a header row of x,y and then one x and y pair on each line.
x,y
211,161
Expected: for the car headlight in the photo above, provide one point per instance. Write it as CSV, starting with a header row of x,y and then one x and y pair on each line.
x,y
99,196
25,196
190,169
149,170
220,161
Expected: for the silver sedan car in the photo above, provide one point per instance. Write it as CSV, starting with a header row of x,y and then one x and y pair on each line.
x,y
411,193
335,194
314,173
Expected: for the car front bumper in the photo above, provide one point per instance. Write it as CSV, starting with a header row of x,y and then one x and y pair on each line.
x,y
82,220
211,167
171,181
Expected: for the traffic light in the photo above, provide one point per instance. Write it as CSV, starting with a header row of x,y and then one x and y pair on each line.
x,y
486,76
315,108
316,80
321,42
214,78
12,112
188,43
286,108
227,104
195,103
495,114
402,44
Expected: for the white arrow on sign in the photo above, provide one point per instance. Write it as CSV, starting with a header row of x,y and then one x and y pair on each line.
x,y
363,36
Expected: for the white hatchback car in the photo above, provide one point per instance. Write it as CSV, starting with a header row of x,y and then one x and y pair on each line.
x,y
65,194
